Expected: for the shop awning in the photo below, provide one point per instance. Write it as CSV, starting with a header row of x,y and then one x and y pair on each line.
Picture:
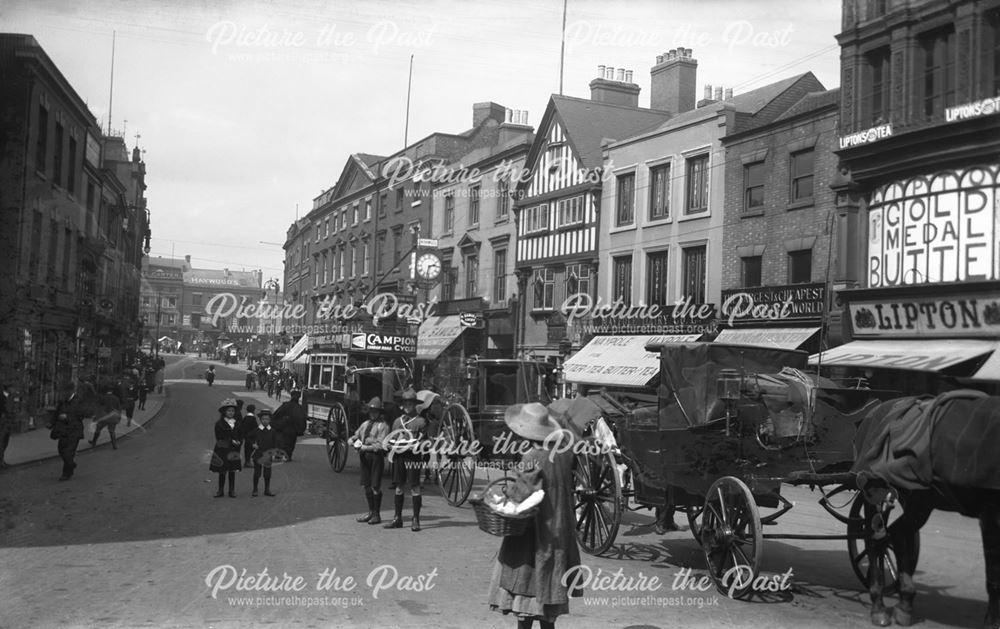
x,y
619,360
300,346
914,354
436,334
782,338
228,345
990,369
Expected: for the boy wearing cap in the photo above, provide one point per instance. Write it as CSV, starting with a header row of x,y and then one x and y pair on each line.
x,y
226,454
368,442
263,454
407,464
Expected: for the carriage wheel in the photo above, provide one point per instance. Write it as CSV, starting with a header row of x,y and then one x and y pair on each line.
x,y
859,529
336,437
731,536
598,499
456,472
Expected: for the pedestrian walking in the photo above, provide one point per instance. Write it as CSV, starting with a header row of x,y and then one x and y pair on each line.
x,y
279,384
368,441
528,577
270,384
264,453
79,401
109,414
226,454
210,374
249,424
6,423
250,379
143,392
158,377
129,394
408,432
290,422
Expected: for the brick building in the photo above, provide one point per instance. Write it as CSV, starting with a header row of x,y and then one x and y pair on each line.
x,y
919,192
76,225
780,215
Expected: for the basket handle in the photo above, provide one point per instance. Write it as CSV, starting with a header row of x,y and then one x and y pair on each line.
x,y
499,480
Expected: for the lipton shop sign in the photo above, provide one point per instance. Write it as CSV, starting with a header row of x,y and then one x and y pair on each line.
x,y
936,228
977,316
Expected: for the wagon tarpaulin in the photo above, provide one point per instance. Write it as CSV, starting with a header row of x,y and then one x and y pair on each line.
x,y
690,372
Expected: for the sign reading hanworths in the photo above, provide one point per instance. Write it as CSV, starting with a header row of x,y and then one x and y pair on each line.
x,y
935,228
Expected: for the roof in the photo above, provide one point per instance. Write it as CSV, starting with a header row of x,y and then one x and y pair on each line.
x,y
589,123
811,101
369,159
180,263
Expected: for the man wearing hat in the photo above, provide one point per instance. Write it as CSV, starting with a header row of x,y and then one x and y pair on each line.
x,y
226,453
407,467
368,441
528,576
290,422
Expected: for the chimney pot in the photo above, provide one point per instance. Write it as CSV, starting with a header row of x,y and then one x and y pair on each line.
x,y
524,117
628,76
600,72
729,93
621,75
508,115
659,58
708,91
718,92
609,73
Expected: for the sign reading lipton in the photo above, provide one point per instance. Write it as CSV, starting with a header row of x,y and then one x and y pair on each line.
x,y
389,343
773,303
984,107
932,317
865,137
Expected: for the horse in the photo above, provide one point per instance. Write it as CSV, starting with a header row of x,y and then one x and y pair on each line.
x,y
929,453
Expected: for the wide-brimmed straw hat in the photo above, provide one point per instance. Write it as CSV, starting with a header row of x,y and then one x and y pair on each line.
x,y
426,398
409,396
374,403
530,421
228,402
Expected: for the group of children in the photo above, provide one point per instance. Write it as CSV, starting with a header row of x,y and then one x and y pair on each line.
x,y
372,441
252,432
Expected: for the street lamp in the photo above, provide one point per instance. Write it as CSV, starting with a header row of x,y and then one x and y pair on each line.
x,y
156,347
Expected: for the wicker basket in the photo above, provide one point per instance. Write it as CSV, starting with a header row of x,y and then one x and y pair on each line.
x,y
500,524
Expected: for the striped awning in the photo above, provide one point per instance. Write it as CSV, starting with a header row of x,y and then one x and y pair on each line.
x,y
300,346
619,360
436,334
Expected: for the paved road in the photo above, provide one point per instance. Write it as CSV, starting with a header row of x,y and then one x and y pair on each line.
x,y
132,539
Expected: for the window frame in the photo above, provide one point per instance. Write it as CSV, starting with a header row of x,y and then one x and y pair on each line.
x,y
499,275
584,283
654,188
749,186
621,278
936,73
700,294
449,213
796,255
471,263
625,199
573,207
745,271
544,281
794,178
503,200
658,293
474,206
696,177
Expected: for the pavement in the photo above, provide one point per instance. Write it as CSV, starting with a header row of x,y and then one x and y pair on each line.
x,y
36,445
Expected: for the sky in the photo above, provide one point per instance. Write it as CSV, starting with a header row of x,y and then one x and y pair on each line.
x,y
247,110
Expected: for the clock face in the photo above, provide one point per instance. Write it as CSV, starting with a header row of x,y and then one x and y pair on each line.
x,y
428,266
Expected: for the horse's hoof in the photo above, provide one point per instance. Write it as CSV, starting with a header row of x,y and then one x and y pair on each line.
x,y
881,618
902,617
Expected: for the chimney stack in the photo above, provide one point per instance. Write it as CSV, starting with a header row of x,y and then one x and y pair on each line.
x,y
729,93
718,92
708,91
673,81
605,89
485,111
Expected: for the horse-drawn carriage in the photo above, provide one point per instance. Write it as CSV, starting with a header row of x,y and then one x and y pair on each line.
x,y
472,425
336,391
717,434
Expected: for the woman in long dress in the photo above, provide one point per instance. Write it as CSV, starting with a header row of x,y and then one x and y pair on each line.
x,y
528,577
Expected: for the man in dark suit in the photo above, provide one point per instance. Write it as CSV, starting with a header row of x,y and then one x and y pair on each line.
x,y
290,422
250,425
80,401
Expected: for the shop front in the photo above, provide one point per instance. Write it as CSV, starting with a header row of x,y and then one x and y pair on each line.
x,y
783,317
921,339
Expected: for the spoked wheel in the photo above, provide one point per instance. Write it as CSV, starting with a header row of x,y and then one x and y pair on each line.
x,y
456,470
598,499
336,437
859,546
731,536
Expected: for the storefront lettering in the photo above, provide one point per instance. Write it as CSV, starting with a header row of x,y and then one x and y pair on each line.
x,y
939,317
866,136
985,107
931,229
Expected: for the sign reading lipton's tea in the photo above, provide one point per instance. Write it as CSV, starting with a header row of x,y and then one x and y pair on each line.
x,y
931,317
941,227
